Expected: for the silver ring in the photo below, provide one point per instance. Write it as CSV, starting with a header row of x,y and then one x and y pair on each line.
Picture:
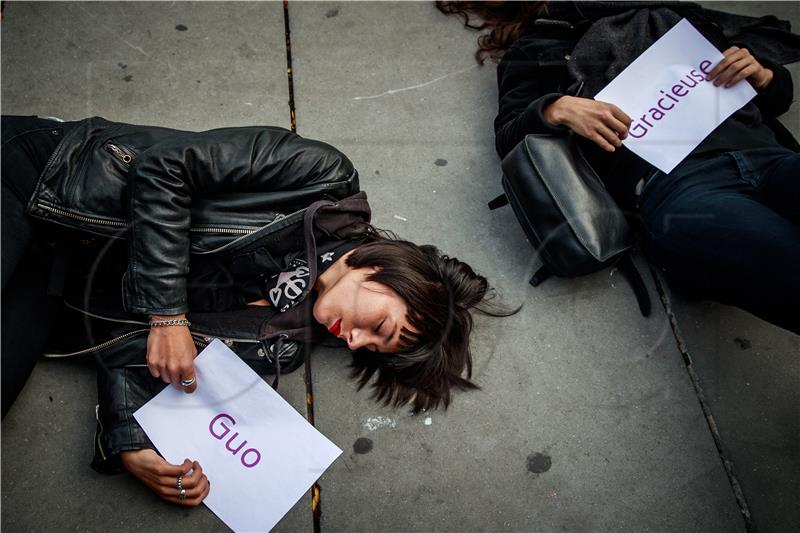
x,y
187,382
182,494
179,483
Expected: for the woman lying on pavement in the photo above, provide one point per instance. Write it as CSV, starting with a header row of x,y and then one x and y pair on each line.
x,y
725,223
281,250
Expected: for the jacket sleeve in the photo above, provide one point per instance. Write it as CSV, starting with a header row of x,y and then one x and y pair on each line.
x,y
776,99
525,91
165,178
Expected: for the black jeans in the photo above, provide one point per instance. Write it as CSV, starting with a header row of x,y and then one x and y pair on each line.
x,y
727,227
27,310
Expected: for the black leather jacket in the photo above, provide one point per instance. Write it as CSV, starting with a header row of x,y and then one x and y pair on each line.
x,y
169,192
233,199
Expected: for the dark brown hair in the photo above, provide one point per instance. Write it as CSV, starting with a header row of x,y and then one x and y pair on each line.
x,y
439,292
505,20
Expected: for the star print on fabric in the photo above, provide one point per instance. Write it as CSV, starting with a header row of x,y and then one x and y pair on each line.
x,y
326,257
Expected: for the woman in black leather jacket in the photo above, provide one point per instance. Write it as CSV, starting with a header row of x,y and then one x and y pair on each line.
x,y
725,223
104,220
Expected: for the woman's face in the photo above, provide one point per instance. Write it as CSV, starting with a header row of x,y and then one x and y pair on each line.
x,y
365,314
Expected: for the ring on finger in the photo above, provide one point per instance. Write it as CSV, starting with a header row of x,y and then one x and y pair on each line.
x,y
182,494
179,483
187,382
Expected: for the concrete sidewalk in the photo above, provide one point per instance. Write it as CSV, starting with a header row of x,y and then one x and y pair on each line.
x,y
587,419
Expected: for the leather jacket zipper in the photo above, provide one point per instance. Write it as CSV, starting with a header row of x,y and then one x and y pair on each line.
x,y
119,153
82,218
99,346
200,338
279,218
106,318
234,230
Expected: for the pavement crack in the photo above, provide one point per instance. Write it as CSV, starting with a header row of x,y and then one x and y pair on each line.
x,y
727,463
316,490
289,71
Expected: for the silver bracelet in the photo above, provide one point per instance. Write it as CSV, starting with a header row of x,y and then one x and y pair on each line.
x,y
169,322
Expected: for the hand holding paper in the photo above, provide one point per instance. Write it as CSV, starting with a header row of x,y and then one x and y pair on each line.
x,y
601,122
672,104
259,453
739,64
161,477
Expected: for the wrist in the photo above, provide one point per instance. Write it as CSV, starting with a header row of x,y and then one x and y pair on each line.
x,y
764,80
167,317
553,113
168,321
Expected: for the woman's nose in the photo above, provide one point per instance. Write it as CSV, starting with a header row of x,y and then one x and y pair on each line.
x,y
356,339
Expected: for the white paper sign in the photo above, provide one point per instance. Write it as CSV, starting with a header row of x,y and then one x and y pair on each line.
x,y
258,452
665,93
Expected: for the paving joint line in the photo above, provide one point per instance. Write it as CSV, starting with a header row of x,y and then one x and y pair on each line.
x,y
316,500
701,398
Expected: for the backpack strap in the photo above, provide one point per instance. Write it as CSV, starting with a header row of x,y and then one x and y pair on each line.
x,y
541,275
500,201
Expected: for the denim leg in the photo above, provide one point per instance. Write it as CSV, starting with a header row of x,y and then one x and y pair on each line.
x,y
713,235
780,186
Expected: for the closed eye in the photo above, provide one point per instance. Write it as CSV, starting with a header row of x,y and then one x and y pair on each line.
x,y
379,326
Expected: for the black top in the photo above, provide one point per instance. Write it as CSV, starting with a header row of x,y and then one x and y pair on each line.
x,y
283,290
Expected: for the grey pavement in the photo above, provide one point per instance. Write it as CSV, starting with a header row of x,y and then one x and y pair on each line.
x,y
587,420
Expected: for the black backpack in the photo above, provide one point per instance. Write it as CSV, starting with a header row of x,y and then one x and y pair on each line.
x,y
566,212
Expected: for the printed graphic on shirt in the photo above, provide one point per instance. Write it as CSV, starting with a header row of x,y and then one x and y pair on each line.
x,y
289,285
285,289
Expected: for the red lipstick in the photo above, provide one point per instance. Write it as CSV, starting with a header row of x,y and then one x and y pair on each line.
x,y
336,328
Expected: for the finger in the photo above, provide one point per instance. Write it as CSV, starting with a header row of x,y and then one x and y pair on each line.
x,y
621,116
725,63
151,366
191,480
192,497
198,489
609,135
174,372
619,129
188,374
601,142
730,50
166,470
202,496
205,492
166,375
732,70
191,388
742,74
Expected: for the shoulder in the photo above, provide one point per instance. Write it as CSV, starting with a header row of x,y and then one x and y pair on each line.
x,y
537,46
